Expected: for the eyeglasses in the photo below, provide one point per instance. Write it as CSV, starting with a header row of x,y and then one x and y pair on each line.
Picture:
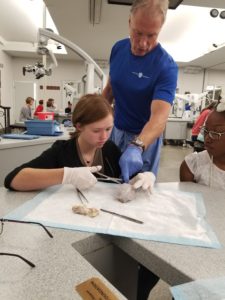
x,y
2,221
212,134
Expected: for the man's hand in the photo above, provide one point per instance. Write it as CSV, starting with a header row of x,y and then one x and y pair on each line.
x,y
81,178
144,181
130,162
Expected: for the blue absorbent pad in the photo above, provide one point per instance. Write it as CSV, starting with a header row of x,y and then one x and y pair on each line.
x,y
20,136
185,212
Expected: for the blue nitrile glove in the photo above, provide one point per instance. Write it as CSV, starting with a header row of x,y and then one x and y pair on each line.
x,y
130,162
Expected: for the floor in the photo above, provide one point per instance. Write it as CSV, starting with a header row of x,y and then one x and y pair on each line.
x,y
171,158
170,161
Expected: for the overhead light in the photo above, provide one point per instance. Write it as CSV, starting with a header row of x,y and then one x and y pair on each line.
x,y
192,69
172,3
222,14
95,11
214,12
218,45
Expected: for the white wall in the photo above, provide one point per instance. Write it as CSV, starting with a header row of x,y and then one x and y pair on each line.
x,y
197,83
6,82
189,82
216,78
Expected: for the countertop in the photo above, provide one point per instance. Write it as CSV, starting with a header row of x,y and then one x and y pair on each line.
x,y
10,143
15,152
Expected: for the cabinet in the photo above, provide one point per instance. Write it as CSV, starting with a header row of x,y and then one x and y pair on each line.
x,y
176,129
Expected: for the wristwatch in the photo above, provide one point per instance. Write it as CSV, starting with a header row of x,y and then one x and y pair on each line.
x,y
139,143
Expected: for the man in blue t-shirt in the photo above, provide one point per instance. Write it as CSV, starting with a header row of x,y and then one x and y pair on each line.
x,y
142,82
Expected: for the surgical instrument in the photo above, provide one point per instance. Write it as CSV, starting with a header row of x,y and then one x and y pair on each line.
x,y
122,216
81,196
108,178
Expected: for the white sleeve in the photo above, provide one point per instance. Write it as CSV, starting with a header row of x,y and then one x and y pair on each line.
x,y
192,162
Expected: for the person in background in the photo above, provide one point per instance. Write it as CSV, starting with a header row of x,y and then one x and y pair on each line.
x,y
73,161
50,107
39,108
208,167
68,109
187,106
25,112
199,122
142,82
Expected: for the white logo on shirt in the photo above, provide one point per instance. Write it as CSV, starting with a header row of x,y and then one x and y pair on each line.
x,y
140,75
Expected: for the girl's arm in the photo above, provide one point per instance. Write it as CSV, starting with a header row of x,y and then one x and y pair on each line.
x,y
29,179
185,173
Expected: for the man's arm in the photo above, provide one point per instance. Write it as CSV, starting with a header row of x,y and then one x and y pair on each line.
x,y
107,92
154,127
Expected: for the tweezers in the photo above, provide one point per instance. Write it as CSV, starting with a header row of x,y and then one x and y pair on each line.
x,y
81,197
122,216
108,178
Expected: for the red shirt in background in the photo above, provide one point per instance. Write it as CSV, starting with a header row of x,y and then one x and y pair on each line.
x,y
38,109
200,122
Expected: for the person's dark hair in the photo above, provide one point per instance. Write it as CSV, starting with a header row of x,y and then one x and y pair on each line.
x,y
89,109
50,102
211,106
41,102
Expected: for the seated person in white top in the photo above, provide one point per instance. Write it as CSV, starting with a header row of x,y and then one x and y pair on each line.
x,y
208,167
25,112
50,105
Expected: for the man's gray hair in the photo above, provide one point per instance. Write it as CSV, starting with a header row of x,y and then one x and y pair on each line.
x,y
154,6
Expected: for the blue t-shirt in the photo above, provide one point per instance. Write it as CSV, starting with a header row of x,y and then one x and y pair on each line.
x,y
137,80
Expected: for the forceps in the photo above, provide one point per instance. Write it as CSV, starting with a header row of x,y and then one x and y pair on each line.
x,y
81,197
108,178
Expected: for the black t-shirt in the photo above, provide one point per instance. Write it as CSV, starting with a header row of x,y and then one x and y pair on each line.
x,y
64,153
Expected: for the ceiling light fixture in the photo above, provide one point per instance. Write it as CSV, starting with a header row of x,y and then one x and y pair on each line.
x,y
214,12
222,14
95,11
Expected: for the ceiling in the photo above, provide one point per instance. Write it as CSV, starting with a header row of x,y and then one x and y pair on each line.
x,y
72,21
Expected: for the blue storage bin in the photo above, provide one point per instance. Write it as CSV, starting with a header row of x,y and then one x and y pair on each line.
x,y
40,127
